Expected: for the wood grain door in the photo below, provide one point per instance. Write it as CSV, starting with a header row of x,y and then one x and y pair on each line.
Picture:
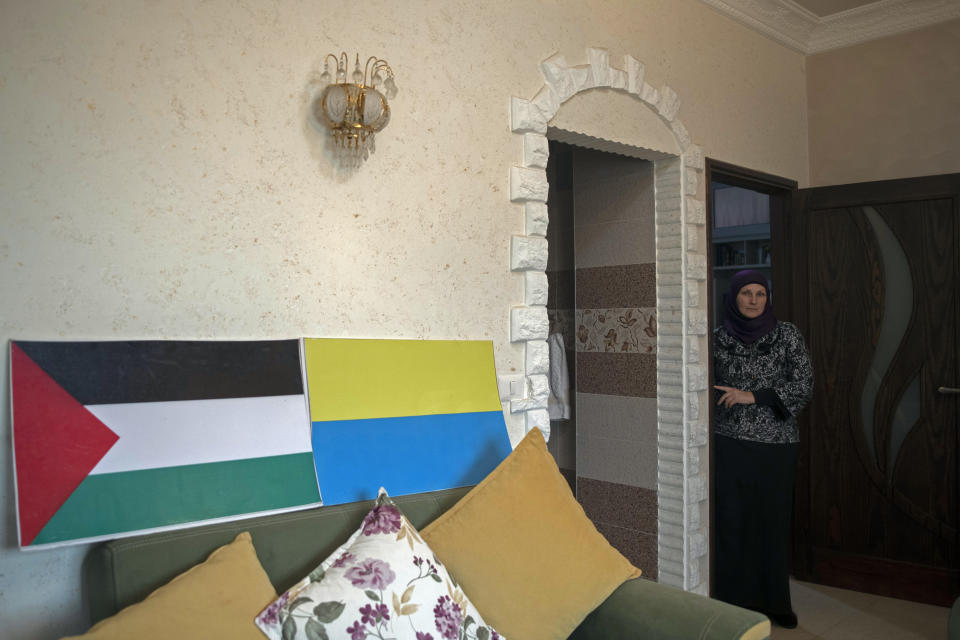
x,y
876,294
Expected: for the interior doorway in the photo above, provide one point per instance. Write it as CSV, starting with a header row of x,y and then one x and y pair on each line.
x,y
601,307
748,227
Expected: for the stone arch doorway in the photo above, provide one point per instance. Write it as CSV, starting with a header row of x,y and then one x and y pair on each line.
x,y
681,303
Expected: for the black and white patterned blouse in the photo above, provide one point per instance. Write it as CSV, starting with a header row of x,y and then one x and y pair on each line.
x,y
776,368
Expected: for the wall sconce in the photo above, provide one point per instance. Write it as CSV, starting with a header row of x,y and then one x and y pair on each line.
x,y
354,111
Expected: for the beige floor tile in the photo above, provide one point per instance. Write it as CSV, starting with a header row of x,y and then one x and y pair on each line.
x,y
866,626
924,619
838,614
818,611
776,633
856,599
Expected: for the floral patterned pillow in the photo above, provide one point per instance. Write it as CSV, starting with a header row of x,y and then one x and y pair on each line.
x,y
384,582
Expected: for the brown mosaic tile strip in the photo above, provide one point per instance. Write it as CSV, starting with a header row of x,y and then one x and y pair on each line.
x,y
629,285
638,547
617,374
619,504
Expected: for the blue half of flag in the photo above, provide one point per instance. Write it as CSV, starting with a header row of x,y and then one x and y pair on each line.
x,y
410,454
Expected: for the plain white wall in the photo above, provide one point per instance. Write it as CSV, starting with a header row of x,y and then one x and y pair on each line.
x,y
158,177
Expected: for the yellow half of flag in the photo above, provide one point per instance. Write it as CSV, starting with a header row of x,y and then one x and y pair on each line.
x,y
351,379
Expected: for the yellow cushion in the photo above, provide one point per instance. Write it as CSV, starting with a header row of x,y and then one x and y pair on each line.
x,y
218,598
522,547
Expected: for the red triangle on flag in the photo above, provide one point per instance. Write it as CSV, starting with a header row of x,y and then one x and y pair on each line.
x,y
56,442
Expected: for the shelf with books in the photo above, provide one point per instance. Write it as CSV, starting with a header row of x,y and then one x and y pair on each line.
x,y
742,253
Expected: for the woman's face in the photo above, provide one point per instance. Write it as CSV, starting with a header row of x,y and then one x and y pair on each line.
x,y
752,300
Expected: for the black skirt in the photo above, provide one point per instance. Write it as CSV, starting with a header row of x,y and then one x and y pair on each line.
x,y
754,511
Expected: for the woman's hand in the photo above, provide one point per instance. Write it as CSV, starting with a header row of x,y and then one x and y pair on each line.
x,y
733,396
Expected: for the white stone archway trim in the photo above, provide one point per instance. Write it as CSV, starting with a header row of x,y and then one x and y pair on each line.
x,y
682,377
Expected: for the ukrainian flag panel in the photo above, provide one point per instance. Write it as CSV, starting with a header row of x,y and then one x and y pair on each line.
x,y
408,415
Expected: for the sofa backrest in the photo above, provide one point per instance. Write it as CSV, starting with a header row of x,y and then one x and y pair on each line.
x,y
289,545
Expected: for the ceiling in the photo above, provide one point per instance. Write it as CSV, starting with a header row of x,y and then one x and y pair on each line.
x,y
823,8
812,26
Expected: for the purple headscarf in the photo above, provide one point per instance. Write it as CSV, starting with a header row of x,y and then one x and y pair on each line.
x,y
747,330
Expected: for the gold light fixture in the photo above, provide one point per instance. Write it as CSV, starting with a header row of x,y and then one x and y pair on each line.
x,y
354,111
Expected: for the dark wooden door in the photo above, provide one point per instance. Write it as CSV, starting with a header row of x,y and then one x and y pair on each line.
x,y
876,294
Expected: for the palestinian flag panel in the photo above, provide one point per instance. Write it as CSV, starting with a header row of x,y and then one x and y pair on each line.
x,y
407,415
111,439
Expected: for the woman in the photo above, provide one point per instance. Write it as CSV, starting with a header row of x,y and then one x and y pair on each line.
x,y
763,379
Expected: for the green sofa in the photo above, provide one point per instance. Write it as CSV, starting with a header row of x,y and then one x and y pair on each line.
x,y
290,545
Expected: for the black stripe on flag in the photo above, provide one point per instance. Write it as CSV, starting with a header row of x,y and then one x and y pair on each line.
x,y
168,370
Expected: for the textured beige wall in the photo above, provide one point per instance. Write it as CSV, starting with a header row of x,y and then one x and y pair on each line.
x,y
614,115
886,109
158,179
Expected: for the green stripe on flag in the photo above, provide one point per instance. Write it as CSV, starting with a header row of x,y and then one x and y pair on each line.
x,y
115,503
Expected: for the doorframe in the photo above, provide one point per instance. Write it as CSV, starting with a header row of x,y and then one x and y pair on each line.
x,y
782,193
682,431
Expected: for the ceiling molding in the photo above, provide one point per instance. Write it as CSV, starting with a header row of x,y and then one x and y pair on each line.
x,y
794,26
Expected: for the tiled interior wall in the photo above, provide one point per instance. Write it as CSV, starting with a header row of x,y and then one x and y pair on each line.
x,y
560,297
614,435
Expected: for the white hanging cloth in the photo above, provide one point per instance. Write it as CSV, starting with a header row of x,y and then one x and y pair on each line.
x,y
558,406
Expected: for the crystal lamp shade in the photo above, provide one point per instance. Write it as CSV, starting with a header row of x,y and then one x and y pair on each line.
x,y
354,111
351,110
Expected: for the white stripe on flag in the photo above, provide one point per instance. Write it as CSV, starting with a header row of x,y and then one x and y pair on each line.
x,y
168,434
